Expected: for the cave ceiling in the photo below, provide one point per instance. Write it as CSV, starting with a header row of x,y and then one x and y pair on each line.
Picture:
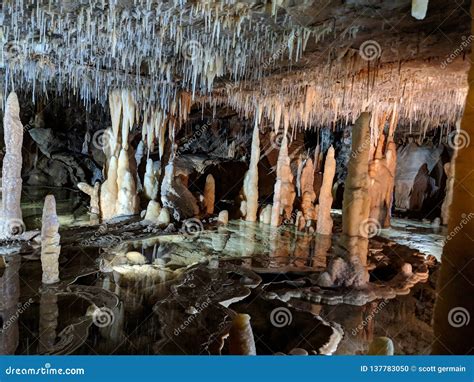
x,y
298,63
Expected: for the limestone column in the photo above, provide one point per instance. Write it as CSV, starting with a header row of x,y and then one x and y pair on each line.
x,y
12,220
250,188
324,224
50,247
454,308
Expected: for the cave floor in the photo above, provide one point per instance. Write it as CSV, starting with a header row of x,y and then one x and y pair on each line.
x,y
128,288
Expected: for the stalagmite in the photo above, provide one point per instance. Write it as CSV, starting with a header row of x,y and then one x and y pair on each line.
x,y
94,193
11,216
152,211
209,195
453,319
150,182
266,214
127,198
324,223
241,340
308,196
164,217
223,217
250,188
419,9
109,191
284,192
50,247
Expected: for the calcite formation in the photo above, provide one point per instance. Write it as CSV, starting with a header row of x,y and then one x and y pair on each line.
x,y
241,340
11,216
308,196
324,224
94,193
209,195
50,248
152,211
284,192
150,182
250,188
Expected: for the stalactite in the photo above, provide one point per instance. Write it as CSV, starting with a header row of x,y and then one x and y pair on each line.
x,y
209,195
324,223
12,221
250,188
50,248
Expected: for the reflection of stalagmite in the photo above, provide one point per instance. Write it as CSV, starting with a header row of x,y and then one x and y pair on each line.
x,y
250,188
308,196
324,224
241,340
284,193
209,195
10,294
50,247
454,308
12,223
150,183
48,323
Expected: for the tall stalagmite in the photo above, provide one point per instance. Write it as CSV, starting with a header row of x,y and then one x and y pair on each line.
x,y
251,177
12,222
324,225
308,196
209,195
50,247
454,308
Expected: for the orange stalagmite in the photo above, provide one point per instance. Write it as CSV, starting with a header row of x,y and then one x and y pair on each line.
x,y
454,309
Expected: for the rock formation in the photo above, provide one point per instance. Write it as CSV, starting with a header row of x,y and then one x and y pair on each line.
x,y
94,193
284,192
11,216
324,224
50,248
241,341
209,195
250,188
150,182
308,196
